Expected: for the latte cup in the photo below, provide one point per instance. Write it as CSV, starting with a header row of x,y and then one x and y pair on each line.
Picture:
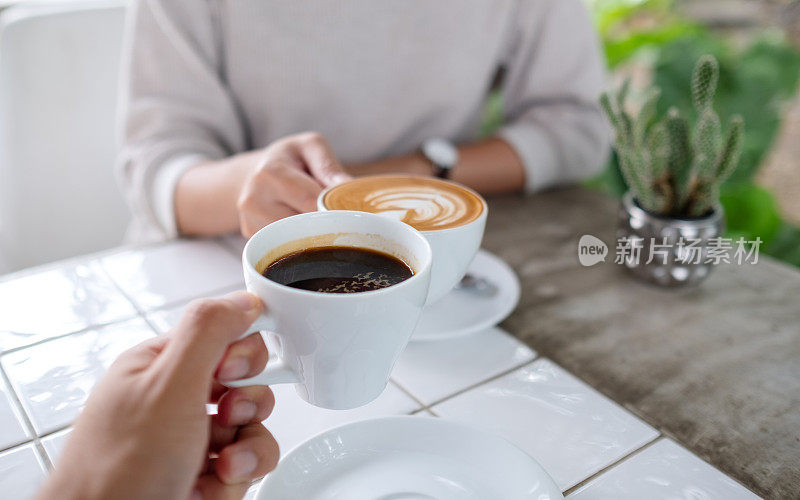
x,y
338,349
453,248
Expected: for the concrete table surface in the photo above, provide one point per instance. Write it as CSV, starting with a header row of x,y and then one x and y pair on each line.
x,y
716,367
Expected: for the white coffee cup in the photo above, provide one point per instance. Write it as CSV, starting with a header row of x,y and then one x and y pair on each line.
x,y
338,349
453,248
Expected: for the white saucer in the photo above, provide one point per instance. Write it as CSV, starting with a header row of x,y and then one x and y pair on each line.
x,y
462,312
407,458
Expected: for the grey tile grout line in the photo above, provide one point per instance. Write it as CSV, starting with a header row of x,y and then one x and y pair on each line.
x,y
16,444
40,451
220,242
605,469
409,394
78,260
150,324
26,419
139,314
58,429
429,408
85,329
484,381
85,260
183,302
167,305
48,463
39,445
662,433
669,435
23,412
426,407
99,260
121,291
37,439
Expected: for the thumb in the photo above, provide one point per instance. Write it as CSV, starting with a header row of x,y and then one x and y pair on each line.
x,y
207,328
321,161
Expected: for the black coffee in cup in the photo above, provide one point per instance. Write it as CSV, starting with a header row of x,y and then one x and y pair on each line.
x,y
338,269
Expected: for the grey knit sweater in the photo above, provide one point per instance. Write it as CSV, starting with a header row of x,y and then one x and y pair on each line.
x,y
205,79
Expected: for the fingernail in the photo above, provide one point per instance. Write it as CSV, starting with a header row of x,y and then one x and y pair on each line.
x,y
243,411
233,369
246,301
243,463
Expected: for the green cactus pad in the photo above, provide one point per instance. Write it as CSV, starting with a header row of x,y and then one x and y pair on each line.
x,y
672,168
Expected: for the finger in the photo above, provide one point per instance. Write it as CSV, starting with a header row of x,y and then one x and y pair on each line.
x,y
295,188
141,355
207,327
254,454
236,408
281,178
245,405
220,435
321,161
217,390
244,358
209,487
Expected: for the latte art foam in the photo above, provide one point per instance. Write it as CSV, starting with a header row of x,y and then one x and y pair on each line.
x,y
425,206
424,203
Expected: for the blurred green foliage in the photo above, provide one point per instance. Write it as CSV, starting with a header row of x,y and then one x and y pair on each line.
x,y
756,81
492,114
628,26
750,211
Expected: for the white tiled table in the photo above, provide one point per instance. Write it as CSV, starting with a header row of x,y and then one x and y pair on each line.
x,y
62,325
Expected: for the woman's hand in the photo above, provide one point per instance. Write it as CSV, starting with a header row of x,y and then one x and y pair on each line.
x,y
250,190
145,433
287,180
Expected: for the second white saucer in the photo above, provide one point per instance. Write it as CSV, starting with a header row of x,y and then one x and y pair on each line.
x,y
464,311
408,458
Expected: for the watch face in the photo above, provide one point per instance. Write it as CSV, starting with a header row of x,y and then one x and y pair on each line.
x,y
440,152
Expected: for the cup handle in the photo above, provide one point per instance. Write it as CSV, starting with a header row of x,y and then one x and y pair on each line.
x,y
276,371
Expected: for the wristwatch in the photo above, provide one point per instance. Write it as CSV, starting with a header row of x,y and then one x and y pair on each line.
x,y
442,155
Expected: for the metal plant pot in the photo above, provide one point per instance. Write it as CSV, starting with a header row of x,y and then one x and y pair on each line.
x,y
679,247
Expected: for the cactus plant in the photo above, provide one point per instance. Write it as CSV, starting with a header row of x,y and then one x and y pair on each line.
x,y
673,169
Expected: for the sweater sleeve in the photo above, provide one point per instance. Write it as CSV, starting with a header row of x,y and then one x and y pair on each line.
x,y
554,76
175,108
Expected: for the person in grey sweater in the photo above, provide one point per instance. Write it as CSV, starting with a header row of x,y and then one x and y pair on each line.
x,y
238,113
